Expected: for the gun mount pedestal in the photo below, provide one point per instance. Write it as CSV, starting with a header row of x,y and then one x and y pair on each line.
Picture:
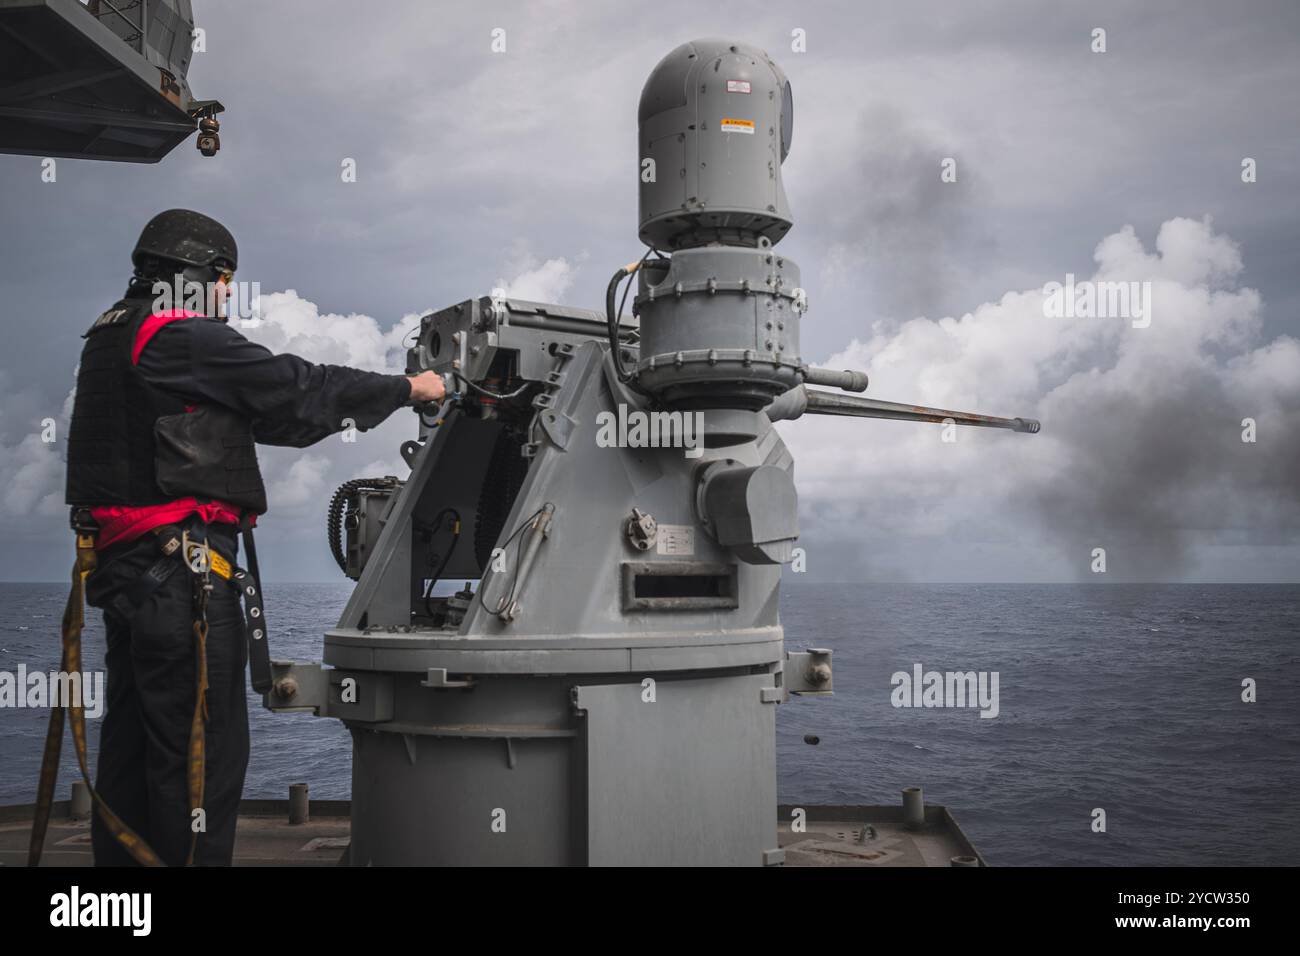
x,y
605,692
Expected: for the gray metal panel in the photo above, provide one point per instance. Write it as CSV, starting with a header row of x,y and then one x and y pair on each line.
x,y
471,658
418,651
575,585
698,763
382,595
421,800
456,480
421,638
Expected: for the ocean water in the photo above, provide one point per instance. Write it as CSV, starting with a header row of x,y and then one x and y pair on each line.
x,y
1120,697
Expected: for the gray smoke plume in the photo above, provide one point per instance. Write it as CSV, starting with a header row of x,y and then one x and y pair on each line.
x,y
1141,453
892,231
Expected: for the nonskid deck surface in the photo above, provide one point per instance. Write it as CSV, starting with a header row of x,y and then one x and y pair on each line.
x,y
263,836
831,837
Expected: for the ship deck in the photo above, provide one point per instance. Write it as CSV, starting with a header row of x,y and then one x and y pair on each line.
x,y
832,836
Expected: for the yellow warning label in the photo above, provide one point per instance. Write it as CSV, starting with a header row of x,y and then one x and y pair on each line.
x,y
738,126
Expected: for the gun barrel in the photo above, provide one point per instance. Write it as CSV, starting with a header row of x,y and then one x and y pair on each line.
x,y
806,400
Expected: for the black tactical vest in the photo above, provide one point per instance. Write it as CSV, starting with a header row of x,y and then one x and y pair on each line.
x,y
133,444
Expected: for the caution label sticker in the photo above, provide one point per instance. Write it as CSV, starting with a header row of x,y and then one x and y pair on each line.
x,y
737,86
738,126
678,539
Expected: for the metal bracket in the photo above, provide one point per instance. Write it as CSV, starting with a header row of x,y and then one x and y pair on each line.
x,y
808,673
558,427
408,450
438,680
298,687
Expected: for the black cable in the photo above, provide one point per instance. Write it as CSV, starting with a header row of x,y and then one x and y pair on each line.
x,y
483,391
442,566
514,576
612,318
519,549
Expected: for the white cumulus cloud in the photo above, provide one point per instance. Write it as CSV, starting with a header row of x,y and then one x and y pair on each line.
x,y
1141,450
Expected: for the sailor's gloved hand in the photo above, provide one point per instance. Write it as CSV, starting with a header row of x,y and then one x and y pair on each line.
x,y
427,387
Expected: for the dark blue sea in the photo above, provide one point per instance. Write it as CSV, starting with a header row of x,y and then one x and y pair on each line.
x,y
1123,697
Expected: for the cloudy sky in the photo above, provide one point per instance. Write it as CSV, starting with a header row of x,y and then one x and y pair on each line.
x,y
478,169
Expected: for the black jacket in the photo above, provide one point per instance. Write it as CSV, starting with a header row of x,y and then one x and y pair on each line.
x,y
288,400
180,420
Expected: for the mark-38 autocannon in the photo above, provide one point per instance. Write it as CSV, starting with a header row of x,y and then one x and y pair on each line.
x,y
615,485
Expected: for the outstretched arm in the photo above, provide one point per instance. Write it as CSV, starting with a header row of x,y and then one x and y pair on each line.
x,y
289,400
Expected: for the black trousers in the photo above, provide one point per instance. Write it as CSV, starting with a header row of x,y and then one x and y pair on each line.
x,y
152,680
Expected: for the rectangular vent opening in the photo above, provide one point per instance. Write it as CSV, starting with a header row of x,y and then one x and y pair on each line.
x,y
681,585
678,586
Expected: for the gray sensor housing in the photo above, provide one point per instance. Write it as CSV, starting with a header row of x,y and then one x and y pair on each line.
x,y
714,125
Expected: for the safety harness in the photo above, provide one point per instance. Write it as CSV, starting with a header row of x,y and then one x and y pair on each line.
x,y
177,550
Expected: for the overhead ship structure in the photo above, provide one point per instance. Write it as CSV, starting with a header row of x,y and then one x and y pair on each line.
x,y
103,80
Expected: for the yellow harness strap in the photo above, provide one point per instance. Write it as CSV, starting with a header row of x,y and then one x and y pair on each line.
x,y
74,620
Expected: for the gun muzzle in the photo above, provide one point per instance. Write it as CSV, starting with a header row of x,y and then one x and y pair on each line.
x,y
847,380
